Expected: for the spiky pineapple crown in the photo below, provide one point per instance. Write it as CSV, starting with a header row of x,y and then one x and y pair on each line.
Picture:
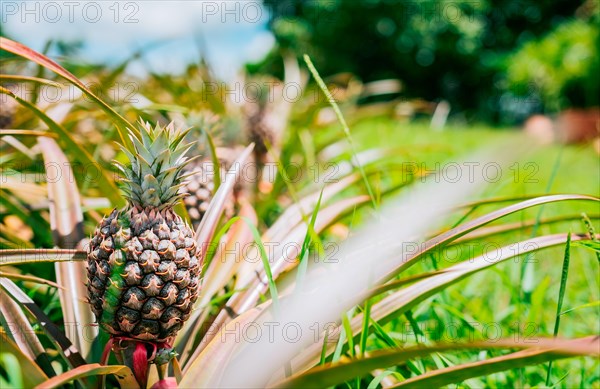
x,y
153,176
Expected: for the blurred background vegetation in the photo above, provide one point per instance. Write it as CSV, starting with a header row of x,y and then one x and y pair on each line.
x,y
497,61
494,61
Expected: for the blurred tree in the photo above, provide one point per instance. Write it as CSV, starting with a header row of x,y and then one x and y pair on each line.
x,y
562,68
441,49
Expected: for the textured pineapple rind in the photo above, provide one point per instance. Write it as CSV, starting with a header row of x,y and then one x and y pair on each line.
x,y
143,273
199,189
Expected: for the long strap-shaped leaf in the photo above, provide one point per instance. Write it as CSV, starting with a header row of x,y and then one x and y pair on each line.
x,y
208,226
206,369
243,301
342,121
281,260
247,276
332,374
220,271
28,132
498,200
483,232
19,329
66,221
367,257
408,297
66,218
472,225
487,231
224,265
399,302
66,347
122,373
20,78
455,374
30,371
293,215
28,278
32,55
104,180
22,256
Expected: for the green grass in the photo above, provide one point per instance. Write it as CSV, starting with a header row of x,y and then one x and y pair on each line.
x,y
492,299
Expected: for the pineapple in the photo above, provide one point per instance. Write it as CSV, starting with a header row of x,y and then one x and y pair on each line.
x,y
143,265
200,185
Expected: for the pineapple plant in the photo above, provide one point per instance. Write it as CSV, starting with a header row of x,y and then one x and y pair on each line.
x,y
266,113
263,121
202,183
200,186
143,267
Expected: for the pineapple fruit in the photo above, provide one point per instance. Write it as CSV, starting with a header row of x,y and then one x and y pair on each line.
x,y
143,264
201,185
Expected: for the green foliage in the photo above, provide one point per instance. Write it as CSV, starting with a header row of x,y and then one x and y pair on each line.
x,y
562,67
440,49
